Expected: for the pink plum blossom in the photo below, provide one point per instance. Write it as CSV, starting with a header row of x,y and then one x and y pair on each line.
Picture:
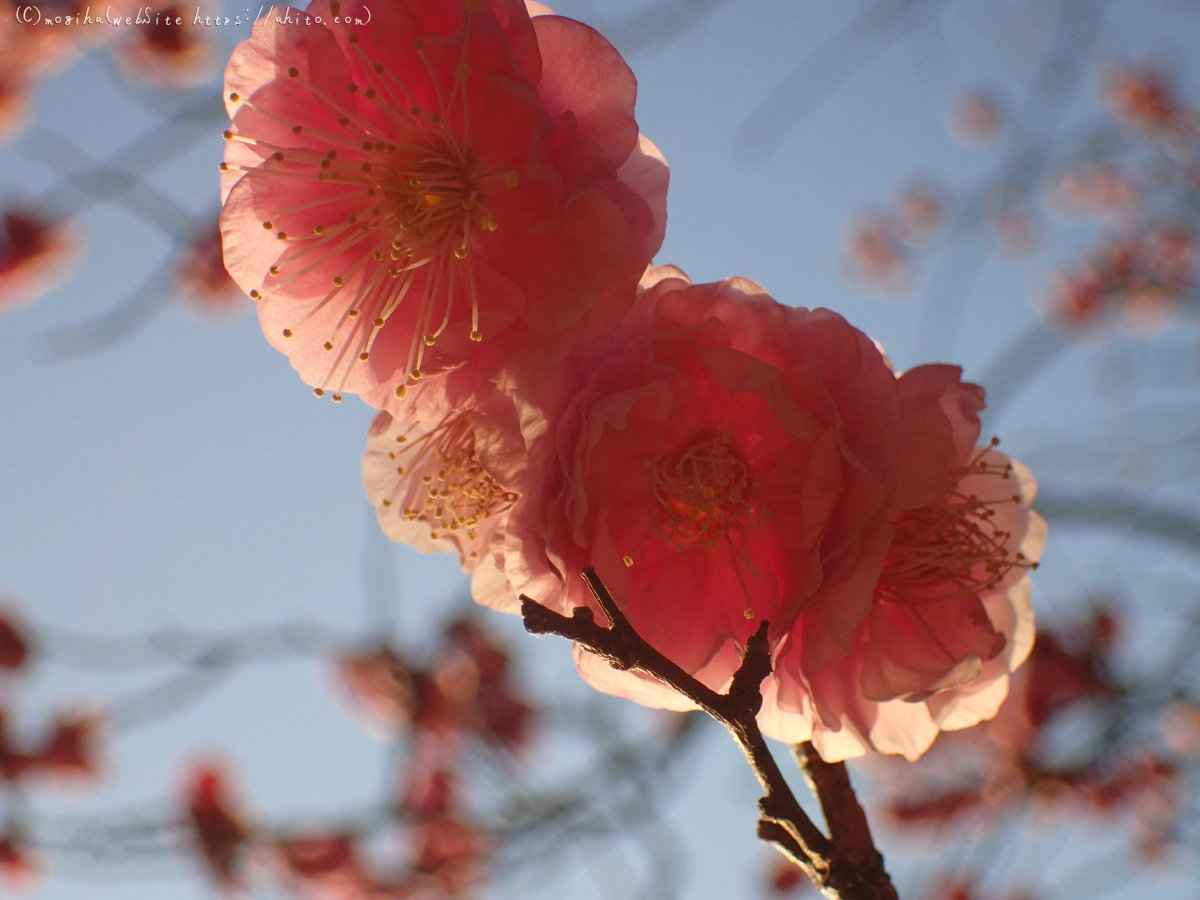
x,y
447,484
448,191
36,253
727,460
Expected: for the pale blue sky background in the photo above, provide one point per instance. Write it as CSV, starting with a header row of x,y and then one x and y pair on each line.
x,y
187,478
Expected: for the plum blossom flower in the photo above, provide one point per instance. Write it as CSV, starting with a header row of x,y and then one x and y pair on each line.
x,y
1145,97
324,865
217,827
18,866
976,118
14,100
1097,189
71,750
450,851
14,645
35,255
434,195
379,686
447,484
875,255
467,690
170,55
731,460
202,278
1142,277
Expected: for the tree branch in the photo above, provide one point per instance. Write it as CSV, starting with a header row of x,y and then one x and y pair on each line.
x,y
784,823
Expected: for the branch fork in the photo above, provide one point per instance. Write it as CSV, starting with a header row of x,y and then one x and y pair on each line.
x,y
846,864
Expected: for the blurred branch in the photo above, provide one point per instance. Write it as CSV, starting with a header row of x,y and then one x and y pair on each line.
x,y
113,326
1131,514
113,183
1019,363
826,69
657,23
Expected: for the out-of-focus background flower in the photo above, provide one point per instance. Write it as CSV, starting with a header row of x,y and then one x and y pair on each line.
x,y
183,531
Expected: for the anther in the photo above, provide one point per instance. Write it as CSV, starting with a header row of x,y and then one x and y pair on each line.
x,y
512,178
317,392
282,236
628,560
462,71
268,226
228,135
278,156
224,167
338,281
336,398
378,67
476,336
378,323
274,270
255,295
318,229
234,98
344,121
353,313
296,129
335,7
460,252
328,346
353,39
418,44
415,374
352,88
293,72
364,356
400,392
429,339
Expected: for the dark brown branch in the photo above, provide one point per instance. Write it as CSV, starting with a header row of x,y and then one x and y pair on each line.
x,y
844,817
784,823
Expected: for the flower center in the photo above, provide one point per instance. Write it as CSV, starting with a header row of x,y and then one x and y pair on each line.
x,y
704,489
456,492
952,548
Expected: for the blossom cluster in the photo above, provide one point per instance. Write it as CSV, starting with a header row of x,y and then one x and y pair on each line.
x,y
450,212
465,697
1135,179
1064,743
65,754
